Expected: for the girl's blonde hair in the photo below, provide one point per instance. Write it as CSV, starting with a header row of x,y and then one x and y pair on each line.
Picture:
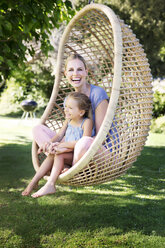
x,y
83,102
75,56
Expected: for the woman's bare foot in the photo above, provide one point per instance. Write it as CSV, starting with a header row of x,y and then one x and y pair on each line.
x,y
29,189
47,189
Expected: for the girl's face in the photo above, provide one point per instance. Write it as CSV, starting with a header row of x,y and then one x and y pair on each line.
x,y
72,110
76,73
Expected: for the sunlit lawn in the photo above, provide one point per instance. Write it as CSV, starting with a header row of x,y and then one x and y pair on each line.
x,y
127,213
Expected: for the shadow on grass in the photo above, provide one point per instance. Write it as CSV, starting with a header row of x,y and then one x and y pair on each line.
x,y
146,176
92,212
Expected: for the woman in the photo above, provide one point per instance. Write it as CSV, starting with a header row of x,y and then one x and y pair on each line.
x,y
76,72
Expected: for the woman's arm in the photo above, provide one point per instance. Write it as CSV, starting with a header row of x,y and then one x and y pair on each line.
x,y
100,112
87,127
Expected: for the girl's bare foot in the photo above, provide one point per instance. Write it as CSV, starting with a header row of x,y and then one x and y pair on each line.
x,y
29,189
47,189
64,170
46,178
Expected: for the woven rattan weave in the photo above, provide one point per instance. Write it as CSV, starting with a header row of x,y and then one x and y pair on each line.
x,y
116,62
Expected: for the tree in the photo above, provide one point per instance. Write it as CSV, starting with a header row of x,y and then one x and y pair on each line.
x,y
22,21
146,19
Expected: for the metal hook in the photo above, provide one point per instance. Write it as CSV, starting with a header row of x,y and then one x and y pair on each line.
x,y
90,1
73,6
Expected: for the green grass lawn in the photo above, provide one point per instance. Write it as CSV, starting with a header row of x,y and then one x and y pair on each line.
x,y
127,213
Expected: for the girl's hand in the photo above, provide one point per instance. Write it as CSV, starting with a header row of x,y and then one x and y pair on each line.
x,y
59,150
44,148
62,145
52,148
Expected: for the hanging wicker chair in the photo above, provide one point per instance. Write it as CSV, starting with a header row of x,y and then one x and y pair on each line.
x,y
116,62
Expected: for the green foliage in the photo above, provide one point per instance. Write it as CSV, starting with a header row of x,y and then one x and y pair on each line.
x,y
34,80
158,125
7,104
158,122
33,83
24,21
159,104
146,19
159,97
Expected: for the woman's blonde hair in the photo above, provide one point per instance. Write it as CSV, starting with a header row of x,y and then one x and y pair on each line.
x,y
75,56
83,103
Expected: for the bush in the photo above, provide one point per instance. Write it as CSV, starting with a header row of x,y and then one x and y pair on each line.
x,y
159,97
158,122
158,125
30,84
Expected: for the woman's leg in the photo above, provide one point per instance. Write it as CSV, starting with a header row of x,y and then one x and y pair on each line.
x,y
81,147
43,169
49,187
42,134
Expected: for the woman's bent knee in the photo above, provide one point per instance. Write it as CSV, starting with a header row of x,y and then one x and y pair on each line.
x,y
84,143
42,134
81,147
37,129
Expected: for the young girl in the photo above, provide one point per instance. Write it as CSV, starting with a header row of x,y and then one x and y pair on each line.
x,y
60,150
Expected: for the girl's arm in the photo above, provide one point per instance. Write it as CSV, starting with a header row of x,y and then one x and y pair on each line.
x,y
87,131
100,112
57,138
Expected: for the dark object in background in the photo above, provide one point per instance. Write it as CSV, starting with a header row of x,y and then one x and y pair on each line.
x,y
28,106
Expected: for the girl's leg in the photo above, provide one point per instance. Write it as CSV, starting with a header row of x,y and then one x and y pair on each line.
x,y
49,187
42,134
43,169
81,147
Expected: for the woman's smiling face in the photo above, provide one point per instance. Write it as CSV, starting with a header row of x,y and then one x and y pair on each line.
x,y
76,73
